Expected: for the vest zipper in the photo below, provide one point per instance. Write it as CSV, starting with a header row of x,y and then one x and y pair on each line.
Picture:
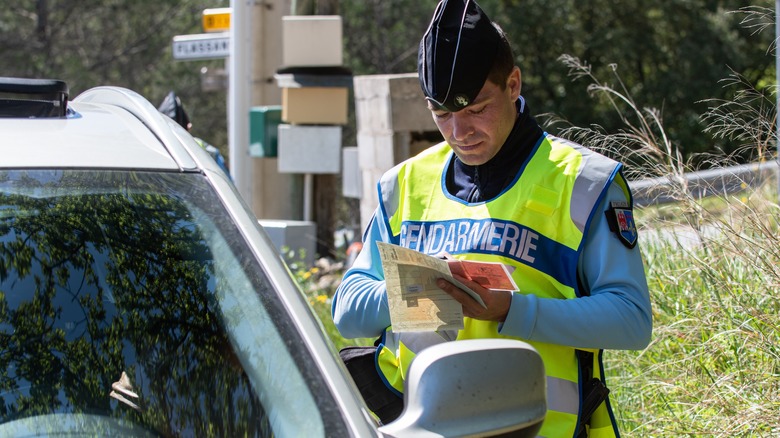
x,y
475,194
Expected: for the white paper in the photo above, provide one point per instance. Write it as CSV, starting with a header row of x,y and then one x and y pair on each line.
x,y
416,302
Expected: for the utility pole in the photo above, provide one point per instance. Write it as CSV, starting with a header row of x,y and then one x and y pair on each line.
x,y
239,99
255,32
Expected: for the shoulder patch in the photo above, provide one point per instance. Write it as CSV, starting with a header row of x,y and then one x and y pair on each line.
x,y
620,218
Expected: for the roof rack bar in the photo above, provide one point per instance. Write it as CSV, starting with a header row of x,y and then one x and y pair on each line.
x,y
42,90
33,86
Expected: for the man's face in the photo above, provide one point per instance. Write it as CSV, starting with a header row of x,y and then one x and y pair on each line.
x,y
477,132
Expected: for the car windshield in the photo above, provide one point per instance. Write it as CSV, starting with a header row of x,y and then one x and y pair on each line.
x,y
129,302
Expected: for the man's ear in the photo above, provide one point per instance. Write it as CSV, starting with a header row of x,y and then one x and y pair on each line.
x,y
514,83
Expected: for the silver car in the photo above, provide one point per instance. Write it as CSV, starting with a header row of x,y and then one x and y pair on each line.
x,y
140,296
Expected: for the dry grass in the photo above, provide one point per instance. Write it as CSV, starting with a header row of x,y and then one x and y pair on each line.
x,y
713,366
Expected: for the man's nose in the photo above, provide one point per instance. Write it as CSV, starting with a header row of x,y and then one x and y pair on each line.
x,y
462,127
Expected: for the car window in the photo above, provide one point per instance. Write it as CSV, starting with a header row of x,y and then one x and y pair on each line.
x,y
131,300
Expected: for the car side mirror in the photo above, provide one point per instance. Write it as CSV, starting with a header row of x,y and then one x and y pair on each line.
x,y
477,387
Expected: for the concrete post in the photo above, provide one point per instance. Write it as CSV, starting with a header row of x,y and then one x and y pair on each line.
x,y
393,124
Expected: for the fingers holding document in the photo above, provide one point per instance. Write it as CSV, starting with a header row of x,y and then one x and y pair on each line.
x,y
496,301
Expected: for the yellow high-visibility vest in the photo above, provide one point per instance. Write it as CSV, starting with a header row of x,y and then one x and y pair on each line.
x,y
535,226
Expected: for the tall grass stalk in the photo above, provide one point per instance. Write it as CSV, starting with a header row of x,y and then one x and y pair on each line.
x,y
713,268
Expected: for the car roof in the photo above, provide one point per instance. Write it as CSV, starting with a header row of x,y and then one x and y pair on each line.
x,y
105,128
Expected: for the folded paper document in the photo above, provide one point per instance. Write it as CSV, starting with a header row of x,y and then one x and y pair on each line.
x,y
417,303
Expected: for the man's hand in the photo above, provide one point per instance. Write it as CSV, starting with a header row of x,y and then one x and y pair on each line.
x,y
497,302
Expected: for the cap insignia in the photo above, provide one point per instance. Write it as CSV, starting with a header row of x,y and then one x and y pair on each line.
x,y
461,101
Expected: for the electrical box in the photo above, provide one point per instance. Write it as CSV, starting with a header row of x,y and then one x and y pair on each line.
x,y
264,130
309,149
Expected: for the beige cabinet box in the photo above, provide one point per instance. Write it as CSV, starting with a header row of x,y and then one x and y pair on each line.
x,y
315,105
311,40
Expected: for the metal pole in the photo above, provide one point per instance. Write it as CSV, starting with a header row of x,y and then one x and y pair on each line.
x,y
239,97
308,196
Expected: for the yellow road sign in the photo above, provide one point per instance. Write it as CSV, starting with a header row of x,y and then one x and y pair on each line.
x,y
216,19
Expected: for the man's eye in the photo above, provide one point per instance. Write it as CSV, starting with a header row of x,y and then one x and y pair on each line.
x,y
478,111
441,116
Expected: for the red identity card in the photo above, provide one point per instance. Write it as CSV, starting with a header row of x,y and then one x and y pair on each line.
x,y
490,275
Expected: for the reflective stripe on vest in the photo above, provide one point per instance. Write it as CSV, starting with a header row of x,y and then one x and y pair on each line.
x,y
396,351
535,226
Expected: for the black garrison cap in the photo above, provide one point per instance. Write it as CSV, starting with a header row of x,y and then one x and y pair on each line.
x,y
456,54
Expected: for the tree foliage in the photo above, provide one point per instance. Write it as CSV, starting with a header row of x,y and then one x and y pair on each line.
x,y
115,42
670,54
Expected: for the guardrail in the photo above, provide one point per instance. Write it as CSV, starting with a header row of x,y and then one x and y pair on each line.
x,y
711,182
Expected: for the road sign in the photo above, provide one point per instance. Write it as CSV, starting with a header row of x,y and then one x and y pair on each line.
x,y
216,20
201,46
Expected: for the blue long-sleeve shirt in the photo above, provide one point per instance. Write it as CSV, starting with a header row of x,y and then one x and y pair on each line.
x,y
615,312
